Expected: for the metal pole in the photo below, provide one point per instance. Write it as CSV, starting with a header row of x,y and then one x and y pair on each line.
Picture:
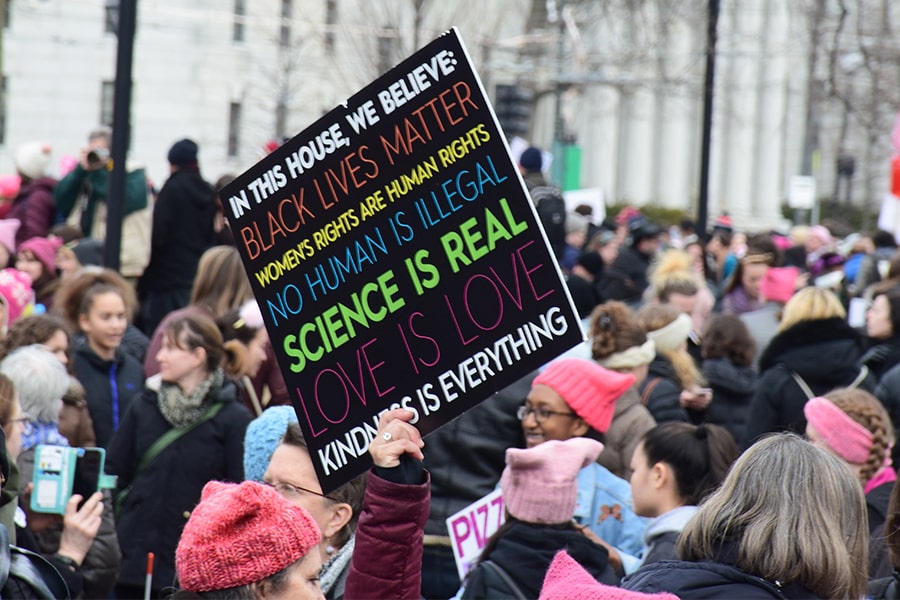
x,y
115,200
708,88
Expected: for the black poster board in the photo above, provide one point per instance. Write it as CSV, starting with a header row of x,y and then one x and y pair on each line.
x,y
397,259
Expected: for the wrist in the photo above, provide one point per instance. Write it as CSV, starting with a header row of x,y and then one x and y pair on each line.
x,y
67,560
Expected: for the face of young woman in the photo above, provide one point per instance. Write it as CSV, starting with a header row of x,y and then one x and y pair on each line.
x,y
177,364
28,263
643,493
104,324
878,319
548,417
58,344
256,351
302,581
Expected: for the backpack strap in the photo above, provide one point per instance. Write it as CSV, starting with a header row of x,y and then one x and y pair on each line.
x,y
648,390
507,580
863,373
169,437
163,442
803,385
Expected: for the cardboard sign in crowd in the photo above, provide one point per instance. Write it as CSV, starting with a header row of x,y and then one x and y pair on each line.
x,y
397,259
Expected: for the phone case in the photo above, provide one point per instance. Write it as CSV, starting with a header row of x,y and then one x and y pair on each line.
x,y
54,475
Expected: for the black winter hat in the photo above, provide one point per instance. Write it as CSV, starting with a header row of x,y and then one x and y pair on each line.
x,y
183,153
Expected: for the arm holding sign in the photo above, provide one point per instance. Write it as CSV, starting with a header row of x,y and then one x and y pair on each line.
x,y
387,559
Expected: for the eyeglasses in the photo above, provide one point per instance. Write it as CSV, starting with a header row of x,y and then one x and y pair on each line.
x,y
541,414
23,420
292,492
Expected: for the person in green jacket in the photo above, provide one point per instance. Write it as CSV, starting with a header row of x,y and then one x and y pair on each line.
x,y
81,195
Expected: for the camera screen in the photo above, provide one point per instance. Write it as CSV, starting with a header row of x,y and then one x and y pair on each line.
x,y
87,473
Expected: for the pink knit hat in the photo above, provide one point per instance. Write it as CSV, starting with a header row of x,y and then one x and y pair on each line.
x,y
568,580
44,250
778,283
588,389
10,186
240,534
8,229
16,293
539,484
844,436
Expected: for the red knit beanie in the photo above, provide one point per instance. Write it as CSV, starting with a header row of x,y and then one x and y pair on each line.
x,y
44,250
240,534
540,484
588,389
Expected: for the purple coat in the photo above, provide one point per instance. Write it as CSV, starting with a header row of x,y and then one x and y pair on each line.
x,y
35,208
387,558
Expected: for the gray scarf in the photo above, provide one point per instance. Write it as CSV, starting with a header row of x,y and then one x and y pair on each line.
x,y
180,410
334,571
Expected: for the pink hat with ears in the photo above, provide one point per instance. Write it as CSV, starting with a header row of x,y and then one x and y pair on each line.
x,y
8,229
15,290
44,249
566,578
10,186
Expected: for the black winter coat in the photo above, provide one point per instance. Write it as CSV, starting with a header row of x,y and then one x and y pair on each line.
x,y
525,552
882,356
486,431
110,386
626,278
182,231
708,580
733,388
164,494
661,391
825,353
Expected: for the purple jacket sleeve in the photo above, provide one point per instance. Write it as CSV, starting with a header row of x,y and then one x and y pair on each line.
x,y
387,558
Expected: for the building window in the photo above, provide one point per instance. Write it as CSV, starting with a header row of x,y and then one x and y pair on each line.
x,y
7,13
285,34
3,83
330,24
240,14
111,16
107,99
234,128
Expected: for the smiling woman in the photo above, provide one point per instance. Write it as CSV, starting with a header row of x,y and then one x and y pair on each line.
x,y
98,304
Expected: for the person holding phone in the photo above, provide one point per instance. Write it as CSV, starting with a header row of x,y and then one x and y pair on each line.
x,y
83,541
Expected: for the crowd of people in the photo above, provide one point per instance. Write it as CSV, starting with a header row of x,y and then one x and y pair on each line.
x,y
726,429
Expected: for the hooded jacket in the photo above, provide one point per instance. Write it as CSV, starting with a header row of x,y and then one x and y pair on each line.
x,y
733,389
824,353
182,231
110,386
708,580
524,552
35,209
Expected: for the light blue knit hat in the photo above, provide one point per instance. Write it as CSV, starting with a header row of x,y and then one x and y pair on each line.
x,y
263,435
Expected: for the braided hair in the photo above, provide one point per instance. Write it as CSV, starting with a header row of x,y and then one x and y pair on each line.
x,y
867,410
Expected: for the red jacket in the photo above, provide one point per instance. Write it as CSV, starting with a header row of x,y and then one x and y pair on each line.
x,y
387,558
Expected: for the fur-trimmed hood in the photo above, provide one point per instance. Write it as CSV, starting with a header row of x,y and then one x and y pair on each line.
x,y
814,346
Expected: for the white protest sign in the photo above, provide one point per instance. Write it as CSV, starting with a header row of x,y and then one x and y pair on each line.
x,y
471,528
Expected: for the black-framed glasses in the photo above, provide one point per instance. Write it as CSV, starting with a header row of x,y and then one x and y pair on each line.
x,y
540,413
292,492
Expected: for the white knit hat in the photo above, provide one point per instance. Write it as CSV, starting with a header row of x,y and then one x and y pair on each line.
x,y
32,159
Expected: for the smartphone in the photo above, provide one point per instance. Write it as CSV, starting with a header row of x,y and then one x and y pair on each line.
x,y
60,472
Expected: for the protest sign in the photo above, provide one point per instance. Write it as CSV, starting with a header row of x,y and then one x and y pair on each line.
x,y
472,527
397,259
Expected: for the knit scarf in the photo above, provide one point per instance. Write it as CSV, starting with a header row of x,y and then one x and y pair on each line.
x,y
39,432
335,566
180,410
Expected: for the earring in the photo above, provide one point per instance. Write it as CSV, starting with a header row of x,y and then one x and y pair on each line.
x,y
329,549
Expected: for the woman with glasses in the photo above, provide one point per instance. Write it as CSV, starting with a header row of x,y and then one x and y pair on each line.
x,y
573,397
170,443
82,544
292,474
